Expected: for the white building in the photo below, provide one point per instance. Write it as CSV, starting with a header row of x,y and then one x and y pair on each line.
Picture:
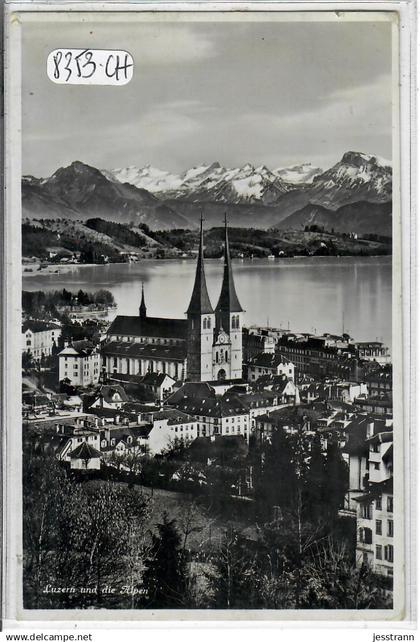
x,y
39,338
375,521
80,363
267,363
168,427
225,415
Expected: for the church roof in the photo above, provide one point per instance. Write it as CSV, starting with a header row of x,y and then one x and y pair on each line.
x,y
149,327
228,300
200,301
144,350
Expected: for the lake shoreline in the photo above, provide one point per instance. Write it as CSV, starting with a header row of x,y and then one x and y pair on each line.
x,y
54,268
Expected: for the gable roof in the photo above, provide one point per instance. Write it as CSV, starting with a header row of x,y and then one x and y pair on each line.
x,y
226,406
191,390
85,451
269,360
39,326
83,348
155,378
149,327
108,391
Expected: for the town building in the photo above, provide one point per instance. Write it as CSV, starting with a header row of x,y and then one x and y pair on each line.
x,y
379,382
216,415
272,364
68,437
373,351
206,346
161,384
80,363
256,341
371,469
320,357
111,396
40,338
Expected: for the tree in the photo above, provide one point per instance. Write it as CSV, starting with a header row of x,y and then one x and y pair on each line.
x,y
336,479
190,520
276,479
27,361
165,578
333,581
315,480
232,578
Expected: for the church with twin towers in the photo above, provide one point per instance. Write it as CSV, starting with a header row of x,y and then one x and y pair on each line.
x,y
204,346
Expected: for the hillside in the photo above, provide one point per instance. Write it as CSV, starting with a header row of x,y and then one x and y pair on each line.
x,y
97,238
360,218
80,191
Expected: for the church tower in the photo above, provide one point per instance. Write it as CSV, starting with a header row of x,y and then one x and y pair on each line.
x,y
201,322
142,308
229,314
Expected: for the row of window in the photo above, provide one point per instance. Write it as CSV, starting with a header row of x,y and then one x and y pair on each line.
x,y
366,509
389,530
385,552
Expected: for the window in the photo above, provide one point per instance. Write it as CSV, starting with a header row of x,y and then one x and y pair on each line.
x,y
376,466
390,531
366,511
375,448
378,530
365,535
390,504
389,553
378,552
379,503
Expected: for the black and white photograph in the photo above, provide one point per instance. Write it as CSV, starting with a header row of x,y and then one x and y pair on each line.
x,y
208,218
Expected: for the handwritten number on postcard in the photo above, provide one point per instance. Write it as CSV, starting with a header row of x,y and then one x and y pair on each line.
x,y
90,67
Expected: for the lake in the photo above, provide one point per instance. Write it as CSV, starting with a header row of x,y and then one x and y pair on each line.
x,y
319,294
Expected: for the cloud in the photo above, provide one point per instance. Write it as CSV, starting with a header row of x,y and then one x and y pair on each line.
x,y
160,44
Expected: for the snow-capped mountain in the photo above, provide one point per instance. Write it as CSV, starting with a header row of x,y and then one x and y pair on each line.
x,y
151,178
298,174
252,196
357,177
207,182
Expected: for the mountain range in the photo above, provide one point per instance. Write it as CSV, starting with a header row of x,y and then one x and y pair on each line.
x,y
354,195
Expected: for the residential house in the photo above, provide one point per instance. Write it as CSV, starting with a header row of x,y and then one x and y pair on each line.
x,y
271,364
375,520
79,362
160,383
39,338
112,397
218,415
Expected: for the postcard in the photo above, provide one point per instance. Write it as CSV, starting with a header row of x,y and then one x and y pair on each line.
x,y
205,257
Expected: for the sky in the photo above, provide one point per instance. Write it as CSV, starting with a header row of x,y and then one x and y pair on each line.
x,y
265,93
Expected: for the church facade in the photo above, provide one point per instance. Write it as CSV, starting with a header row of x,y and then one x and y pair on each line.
x,y
206,346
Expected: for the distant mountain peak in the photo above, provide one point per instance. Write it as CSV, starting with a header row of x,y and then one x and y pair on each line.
x,y
360,158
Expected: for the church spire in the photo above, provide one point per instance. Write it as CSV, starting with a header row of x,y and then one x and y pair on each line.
x,y
200,302
228,300
142,308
